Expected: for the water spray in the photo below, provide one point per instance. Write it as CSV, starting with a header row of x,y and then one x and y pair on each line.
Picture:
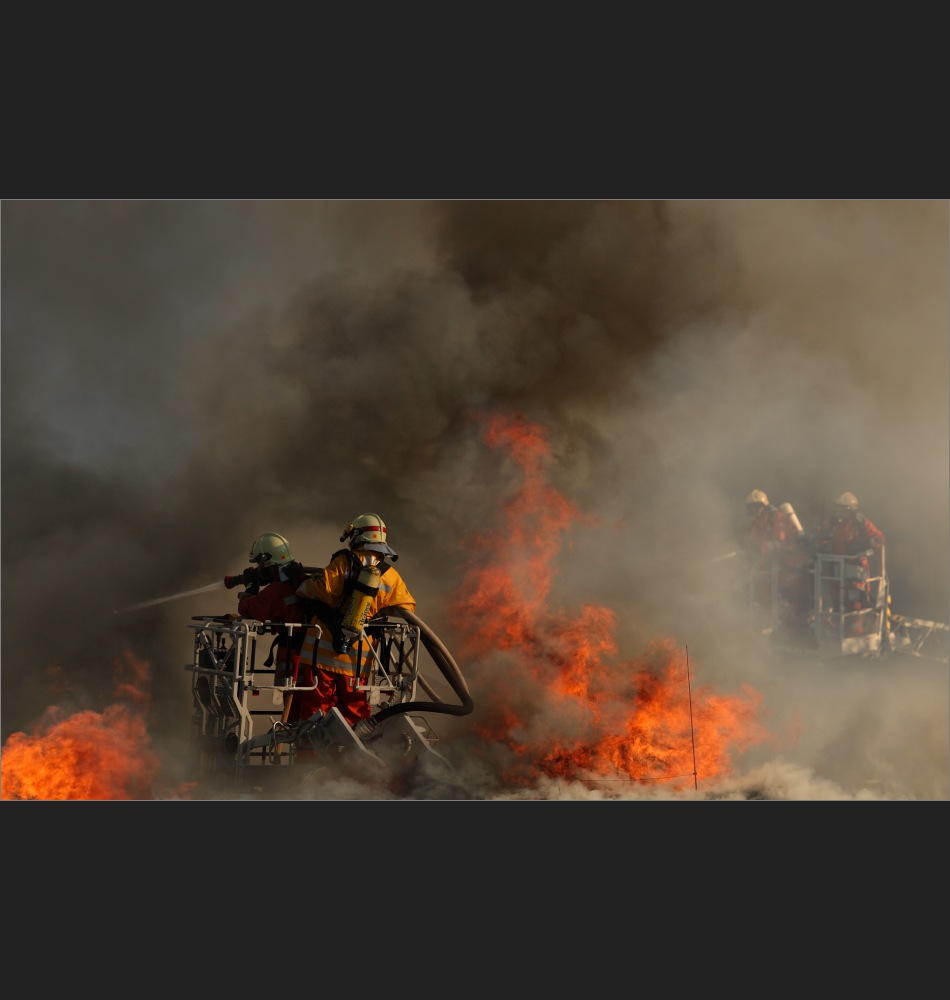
x,y
172,597
248,576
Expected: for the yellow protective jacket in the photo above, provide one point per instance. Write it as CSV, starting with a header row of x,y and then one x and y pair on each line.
x,y
329,589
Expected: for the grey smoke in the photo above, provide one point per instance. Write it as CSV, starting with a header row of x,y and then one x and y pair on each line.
x,y
179,377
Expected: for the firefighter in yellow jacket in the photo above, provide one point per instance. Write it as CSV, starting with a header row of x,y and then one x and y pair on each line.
x,y
358,584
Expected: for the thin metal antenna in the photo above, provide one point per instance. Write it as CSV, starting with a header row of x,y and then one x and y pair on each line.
x,y
692,739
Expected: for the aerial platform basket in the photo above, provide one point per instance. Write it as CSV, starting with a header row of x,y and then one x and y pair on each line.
x,y
830,630
240,733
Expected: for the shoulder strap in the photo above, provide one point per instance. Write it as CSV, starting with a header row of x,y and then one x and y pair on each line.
x,y
269,662
354,566
332,616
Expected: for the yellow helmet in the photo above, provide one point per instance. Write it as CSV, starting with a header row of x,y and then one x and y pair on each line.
x,y
757,496
367,532
270,549
848,500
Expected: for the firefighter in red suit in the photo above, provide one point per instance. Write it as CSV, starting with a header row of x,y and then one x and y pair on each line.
x,y
275,601
775,538
771,529
846,533
769,535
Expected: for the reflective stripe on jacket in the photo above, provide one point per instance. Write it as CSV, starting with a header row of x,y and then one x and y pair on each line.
x,y
321,652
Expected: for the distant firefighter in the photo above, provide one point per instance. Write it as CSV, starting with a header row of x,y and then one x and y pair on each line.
x,y
775,537
846,533
771,528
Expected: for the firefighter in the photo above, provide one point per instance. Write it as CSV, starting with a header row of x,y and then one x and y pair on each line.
x,y
771,529
334,596
847,533
275,569
774,538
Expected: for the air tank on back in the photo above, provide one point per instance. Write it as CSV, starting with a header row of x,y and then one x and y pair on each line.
x,y
787,508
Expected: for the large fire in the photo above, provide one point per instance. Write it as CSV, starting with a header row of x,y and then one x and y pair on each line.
x,y
87,755
559,698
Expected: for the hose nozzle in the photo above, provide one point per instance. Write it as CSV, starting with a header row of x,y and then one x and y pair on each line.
x,y
249,576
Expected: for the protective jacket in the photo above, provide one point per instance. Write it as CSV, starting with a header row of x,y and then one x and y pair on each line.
x,y
848,538
278,601
770,534
332,589
775,540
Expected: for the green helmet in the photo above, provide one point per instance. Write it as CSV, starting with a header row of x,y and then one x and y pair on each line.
x,y
270,549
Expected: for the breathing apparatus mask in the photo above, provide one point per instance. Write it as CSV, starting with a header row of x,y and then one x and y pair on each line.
x,y
842,513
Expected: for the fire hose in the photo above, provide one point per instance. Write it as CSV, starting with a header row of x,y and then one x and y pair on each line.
x,y
252,576
366,728
450,671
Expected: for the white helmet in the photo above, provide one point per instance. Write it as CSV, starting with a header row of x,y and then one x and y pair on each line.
x,y
848,500
757,496
368,532
270,549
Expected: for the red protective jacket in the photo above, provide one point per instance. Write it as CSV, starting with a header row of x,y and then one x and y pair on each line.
x,y
770,534
277,602
847,538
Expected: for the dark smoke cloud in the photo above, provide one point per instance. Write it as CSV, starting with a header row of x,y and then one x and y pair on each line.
x,y
178,377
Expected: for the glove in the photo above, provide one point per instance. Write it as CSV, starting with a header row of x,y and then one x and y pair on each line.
x,y
252,586
291,572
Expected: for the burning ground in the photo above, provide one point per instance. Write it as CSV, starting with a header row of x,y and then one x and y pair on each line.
x,y
554,699
87,754
553,690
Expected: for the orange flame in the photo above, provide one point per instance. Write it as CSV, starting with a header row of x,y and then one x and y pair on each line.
x,y
569,710
86,755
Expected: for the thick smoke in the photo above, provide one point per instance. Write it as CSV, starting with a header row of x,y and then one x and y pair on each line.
x,y
178,378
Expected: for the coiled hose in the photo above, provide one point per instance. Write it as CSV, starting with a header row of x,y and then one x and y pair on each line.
x,y
450,671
